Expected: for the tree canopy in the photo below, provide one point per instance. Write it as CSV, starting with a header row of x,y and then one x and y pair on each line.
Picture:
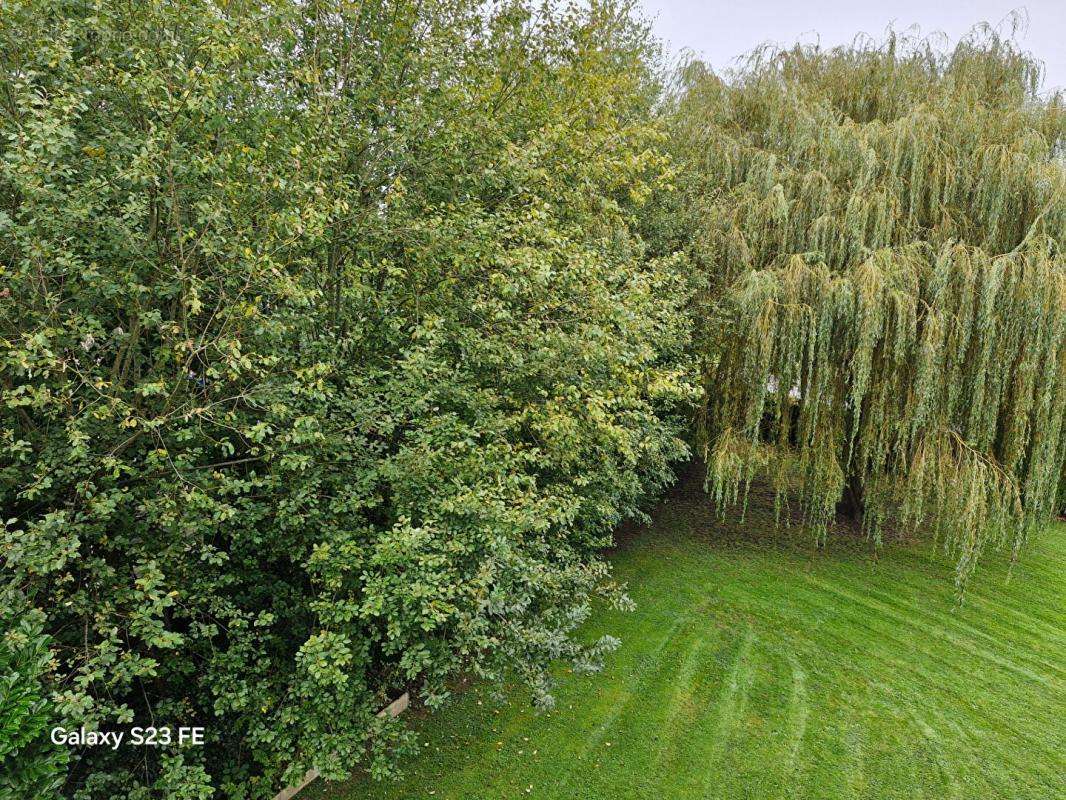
x,y
881,228
330,359
337,337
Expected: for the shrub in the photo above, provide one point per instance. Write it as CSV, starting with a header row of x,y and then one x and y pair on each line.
x,y
30,765
330,358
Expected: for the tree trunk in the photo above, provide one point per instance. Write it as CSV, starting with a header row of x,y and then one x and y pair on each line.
x,y
852,504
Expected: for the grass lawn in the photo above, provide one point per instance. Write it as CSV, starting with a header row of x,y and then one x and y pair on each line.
x,y
758,667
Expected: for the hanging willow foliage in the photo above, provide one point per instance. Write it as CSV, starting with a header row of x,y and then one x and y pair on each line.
x,y
882,228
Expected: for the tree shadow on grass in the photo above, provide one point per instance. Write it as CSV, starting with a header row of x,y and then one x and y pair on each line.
x,y
687,511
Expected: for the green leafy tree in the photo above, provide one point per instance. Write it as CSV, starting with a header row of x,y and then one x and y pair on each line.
x,y
330,358
881,227
30,765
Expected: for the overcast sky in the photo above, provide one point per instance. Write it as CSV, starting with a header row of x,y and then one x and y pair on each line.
x,y
720,31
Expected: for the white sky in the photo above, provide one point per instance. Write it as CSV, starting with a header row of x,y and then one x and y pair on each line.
x,y
720,31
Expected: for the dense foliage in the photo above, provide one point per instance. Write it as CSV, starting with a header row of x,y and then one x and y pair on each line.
x,y
883,229
330,358
336,337
29,765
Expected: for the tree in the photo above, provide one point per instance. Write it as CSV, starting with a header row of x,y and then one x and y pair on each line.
x,y
881,228
330,359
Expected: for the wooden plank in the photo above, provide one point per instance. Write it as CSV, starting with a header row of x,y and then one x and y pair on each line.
x,y
396,707
393,709
291,791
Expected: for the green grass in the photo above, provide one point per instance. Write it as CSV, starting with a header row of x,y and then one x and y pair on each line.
x,y
758,667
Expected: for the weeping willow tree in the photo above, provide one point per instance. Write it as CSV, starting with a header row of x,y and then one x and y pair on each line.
x,y
882,232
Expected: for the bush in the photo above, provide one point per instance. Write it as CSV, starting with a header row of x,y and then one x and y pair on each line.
x,y
330,358
30,765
